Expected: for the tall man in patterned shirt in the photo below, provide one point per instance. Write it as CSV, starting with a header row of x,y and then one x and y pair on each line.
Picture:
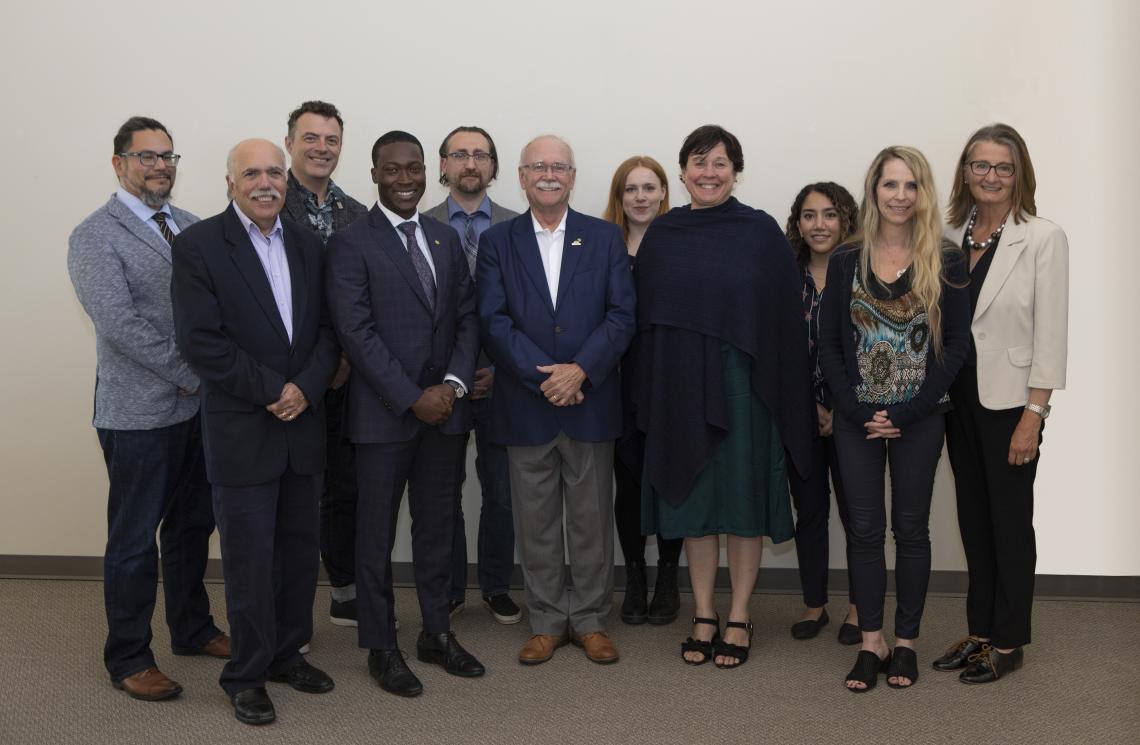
x,y
314,201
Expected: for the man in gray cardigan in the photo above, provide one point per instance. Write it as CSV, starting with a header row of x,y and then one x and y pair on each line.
x,y
468,163
146,416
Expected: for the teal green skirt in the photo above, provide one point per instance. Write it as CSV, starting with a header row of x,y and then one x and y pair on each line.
x,y
744,488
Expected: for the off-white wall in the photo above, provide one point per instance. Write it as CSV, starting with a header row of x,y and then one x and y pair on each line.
x,y
812,90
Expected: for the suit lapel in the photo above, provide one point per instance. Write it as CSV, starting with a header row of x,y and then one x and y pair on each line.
x,y
526,246
439,259
249,266
298,273
573,243
131,222
392,244
1009,249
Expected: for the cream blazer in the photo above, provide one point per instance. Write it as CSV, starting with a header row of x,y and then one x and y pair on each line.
x,y
1020,326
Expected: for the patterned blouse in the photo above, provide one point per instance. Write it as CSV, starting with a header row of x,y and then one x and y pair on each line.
x,y
811,300
892,340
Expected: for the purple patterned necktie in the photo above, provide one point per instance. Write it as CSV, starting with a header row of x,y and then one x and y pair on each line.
x,y
419,261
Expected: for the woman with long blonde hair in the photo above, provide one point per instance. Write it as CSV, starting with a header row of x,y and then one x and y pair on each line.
x,y
894,330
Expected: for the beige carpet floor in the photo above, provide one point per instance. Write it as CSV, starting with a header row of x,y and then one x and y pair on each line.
x,y
1081,684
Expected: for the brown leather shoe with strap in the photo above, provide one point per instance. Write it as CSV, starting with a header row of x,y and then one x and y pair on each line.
x,y
598,647
540,648
148,685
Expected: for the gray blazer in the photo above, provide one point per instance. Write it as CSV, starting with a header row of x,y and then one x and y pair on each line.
x,y
120,268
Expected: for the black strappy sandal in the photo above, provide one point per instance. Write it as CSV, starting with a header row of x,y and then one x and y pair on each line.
x,y
696,645
904,664
867,668
723,649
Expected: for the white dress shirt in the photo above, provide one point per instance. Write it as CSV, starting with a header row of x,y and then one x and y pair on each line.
x,y
270,251
550,244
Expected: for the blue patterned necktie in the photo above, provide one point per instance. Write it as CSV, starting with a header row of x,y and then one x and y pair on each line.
x,y
470,242
419,261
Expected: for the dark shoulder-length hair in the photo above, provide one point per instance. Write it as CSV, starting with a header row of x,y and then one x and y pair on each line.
x,y
844,204
615,211
1024,179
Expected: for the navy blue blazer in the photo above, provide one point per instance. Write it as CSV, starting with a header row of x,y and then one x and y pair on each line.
x,y
397,346
591,324
229,330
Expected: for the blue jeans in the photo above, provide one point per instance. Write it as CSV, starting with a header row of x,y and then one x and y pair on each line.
x,y
157,483
496,546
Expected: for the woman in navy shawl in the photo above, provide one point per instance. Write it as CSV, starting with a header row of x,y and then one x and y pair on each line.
x,y
723,392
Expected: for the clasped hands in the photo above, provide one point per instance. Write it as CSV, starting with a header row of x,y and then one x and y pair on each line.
x,y
290,405
435,404
881,427
563,387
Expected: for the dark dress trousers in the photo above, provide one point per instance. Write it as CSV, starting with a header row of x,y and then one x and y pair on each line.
x,y
399,345
266,473
338,493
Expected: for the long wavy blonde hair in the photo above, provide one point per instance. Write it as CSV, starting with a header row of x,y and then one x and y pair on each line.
x,y
925,233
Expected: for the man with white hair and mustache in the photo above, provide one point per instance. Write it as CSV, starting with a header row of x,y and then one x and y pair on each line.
x,y
250,319
556,308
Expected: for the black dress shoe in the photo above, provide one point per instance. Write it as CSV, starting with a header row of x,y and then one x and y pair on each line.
x,y
958,654
305,678
252,706
388,668
989,665
444,650
810,629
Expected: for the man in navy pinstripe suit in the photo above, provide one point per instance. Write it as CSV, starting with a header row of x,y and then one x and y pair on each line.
x,y
403,305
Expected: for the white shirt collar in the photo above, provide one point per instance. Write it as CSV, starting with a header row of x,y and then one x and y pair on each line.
x,y
396,219
251,226
539,229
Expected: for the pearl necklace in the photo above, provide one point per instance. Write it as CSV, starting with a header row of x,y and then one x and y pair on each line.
x,y
990,243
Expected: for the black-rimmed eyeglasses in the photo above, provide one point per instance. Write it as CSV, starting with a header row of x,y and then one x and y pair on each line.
x,y
461,156
982,167
149,158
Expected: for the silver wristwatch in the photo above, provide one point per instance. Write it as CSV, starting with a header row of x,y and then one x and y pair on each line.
x,y
456,387
1041,411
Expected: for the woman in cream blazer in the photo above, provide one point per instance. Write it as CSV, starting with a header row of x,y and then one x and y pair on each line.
x,y
1019,294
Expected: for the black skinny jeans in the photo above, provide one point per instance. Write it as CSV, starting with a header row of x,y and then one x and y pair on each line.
x,y
913,458
812,499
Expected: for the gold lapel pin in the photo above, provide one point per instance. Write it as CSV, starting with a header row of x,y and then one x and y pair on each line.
x,y
577,242
436,242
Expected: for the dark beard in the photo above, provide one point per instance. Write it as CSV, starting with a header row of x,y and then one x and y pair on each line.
x,y
460,186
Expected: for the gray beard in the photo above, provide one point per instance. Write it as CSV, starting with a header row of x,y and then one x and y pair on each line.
x,y
153,199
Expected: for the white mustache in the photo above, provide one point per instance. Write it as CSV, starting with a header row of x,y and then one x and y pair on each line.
x,y
548,184
269,192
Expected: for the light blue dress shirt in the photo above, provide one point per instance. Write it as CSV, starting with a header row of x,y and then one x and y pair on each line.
x,y
270,251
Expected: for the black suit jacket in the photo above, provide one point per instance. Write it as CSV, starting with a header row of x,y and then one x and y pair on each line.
x,y
344,212
396,344
229,330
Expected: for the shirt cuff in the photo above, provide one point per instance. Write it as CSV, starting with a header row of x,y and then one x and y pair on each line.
x,y
449,376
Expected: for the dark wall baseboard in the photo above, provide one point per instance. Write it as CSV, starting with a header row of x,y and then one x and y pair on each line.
x,y
771,580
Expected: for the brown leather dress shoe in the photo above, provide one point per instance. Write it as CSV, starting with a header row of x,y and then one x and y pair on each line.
x,y
219,646
540,648
148,685
598,646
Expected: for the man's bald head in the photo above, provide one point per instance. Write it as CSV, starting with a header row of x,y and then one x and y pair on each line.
x,y
256,181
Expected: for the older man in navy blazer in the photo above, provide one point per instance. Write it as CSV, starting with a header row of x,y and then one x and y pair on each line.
x,y
404,308
250,318
556,307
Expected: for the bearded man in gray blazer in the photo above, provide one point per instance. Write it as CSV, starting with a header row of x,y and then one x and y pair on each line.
x,y
146,415
468,163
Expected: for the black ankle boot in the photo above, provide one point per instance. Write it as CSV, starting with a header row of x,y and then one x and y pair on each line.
x,y
666,597
633,608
